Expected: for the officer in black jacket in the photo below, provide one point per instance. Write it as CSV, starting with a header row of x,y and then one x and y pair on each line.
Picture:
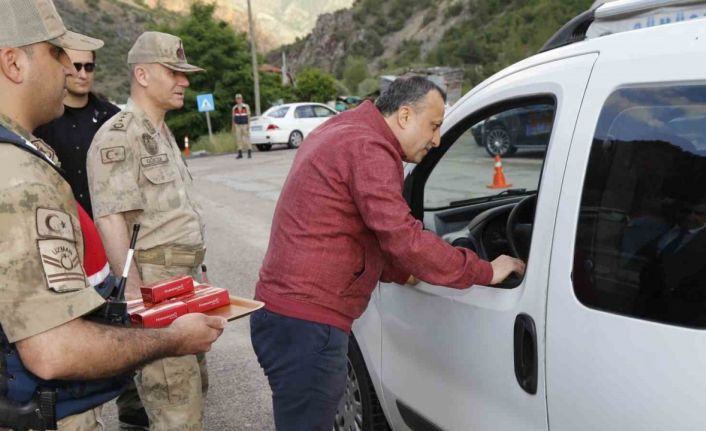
x,y
84,113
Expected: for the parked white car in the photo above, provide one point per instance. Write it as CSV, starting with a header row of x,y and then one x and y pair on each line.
x,y
287,124
607,328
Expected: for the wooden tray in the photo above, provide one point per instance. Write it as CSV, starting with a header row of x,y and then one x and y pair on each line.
x,y
239,307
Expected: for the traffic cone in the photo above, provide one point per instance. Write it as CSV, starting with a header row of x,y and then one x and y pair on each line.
x,y
499,177
187,152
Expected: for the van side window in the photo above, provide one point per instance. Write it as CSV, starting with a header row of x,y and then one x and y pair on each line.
x,y
526,126
641,239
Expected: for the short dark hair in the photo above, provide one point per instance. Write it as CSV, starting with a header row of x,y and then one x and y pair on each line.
x,y
406,91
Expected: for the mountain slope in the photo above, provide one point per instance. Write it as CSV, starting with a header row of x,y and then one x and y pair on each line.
x,y
119,22
481,36
277,21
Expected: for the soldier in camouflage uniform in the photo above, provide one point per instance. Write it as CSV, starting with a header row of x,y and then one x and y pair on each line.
x,y
241,126
136,174
43,287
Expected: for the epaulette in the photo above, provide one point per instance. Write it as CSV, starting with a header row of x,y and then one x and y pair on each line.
x,y
122,120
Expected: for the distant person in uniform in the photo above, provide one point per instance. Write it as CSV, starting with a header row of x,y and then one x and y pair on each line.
x,y
136,174
72,133
45,294
241,126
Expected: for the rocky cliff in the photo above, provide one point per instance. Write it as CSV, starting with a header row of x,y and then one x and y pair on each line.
x,y
119,22
479,36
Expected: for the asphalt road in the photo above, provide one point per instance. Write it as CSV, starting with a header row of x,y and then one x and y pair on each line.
x,y
238,198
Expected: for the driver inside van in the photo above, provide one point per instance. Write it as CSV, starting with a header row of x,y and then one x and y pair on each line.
x,y
675,279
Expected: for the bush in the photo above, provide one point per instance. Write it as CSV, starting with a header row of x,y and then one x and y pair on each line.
x,y
355,72
315,85
368,86
223,142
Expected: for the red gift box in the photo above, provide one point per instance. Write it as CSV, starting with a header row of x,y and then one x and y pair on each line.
x,y
158,316
165,289
206,298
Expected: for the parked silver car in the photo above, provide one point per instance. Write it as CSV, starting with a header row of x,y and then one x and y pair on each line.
x,y
287,124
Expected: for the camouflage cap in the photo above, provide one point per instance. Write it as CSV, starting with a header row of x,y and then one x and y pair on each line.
x,y
162,48
25,22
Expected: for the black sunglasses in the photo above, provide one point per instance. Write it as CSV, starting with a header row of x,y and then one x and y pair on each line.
x,y
90,67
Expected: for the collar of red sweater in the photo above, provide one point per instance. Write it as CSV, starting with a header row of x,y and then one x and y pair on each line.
x,y
367,111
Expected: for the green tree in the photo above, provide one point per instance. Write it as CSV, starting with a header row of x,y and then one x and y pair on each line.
x,y
315,85
355,72
370,85
272,92
212,44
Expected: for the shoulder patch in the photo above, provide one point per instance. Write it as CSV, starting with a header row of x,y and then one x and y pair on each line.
x,y
159,159
62,265
121,121
150,143
54,224
112,155
46,150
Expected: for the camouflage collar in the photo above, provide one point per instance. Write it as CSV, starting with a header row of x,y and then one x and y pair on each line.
x,y
14,127
30,140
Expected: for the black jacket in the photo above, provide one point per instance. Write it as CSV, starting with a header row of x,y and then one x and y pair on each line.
x,y
71,135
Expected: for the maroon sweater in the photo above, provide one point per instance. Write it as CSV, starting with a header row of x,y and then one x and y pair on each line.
x,y
341,225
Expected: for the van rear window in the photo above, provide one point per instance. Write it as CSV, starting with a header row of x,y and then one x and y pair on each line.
x,y
641,239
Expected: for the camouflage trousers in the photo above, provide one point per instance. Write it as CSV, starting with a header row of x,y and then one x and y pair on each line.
x,y
242,137
172,390
90,420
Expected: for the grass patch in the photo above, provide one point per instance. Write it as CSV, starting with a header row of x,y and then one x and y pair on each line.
x,y
223,142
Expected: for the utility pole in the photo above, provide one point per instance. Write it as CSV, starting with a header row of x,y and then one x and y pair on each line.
x,y
285,80
255,73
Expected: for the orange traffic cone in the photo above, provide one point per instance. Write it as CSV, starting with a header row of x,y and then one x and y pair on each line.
x,y
187,151
499,177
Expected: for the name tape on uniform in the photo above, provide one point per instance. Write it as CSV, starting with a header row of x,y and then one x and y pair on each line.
x,y
159,159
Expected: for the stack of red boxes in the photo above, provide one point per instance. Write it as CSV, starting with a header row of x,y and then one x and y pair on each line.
x,y
162,302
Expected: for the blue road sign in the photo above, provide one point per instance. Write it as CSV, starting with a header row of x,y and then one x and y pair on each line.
x,y
205,102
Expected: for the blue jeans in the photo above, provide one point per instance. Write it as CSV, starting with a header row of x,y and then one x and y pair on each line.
x,y
305,363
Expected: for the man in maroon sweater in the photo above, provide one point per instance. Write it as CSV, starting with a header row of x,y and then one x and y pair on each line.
x,y
340,226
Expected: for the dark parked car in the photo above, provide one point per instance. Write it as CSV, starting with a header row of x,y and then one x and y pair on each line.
x,y
527,127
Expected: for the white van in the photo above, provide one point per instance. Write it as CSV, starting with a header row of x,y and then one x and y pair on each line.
x,y
606,330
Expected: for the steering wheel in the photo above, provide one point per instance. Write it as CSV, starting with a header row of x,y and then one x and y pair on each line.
x,y
522,251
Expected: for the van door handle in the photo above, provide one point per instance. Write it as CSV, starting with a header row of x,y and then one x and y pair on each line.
x,y
525,340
